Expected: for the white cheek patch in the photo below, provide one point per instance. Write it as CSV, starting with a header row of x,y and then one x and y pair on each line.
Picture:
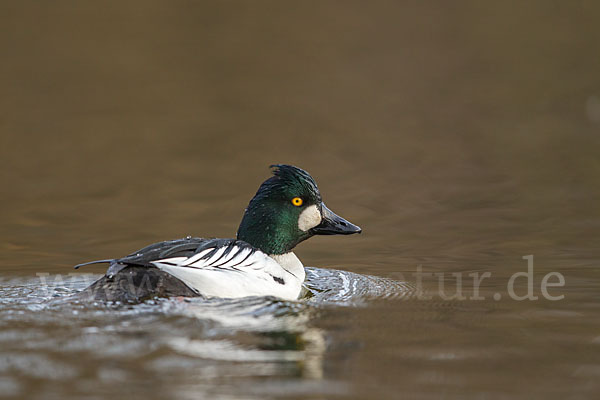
x,y
309,218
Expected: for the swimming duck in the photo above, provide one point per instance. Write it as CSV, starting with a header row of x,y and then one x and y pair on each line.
x,y
286,210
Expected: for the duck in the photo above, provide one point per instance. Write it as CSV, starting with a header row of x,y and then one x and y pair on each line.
x,y
286,210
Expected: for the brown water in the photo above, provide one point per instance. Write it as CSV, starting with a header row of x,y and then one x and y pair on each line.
x,y
461,136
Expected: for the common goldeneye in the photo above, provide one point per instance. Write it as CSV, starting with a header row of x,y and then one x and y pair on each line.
x,y
286,210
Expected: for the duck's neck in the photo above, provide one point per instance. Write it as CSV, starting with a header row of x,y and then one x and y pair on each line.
x,y
291,264
269,234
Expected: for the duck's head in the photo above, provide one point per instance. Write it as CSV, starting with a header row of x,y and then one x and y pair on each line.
x,y
288,209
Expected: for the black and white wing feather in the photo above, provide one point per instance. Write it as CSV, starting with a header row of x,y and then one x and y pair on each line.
x,y
221,254
227,268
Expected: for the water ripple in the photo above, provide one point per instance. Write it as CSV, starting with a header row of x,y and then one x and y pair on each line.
x,y
52,338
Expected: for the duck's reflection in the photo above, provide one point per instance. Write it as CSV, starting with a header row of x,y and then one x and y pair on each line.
x,y
256,331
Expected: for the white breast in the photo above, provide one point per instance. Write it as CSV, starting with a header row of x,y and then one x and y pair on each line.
x,y
291,264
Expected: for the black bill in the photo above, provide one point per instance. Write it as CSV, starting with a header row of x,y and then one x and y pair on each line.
x,y
333,224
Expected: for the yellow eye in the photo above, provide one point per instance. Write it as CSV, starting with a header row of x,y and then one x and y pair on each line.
x,y
297,201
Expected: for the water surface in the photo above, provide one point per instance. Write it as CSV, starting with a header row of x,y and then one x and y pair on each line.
x,y
460,136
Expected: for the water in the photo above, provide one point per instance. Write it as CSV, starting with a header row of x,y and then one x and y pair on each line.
x,y
461,137
189,347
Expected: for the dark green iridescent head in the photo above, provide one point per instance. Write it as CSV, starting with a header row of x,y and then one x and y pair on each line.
x,y
271,220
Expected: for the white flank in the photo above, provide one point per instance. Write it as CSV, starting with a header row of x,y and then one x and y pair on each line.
x,y
238,274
